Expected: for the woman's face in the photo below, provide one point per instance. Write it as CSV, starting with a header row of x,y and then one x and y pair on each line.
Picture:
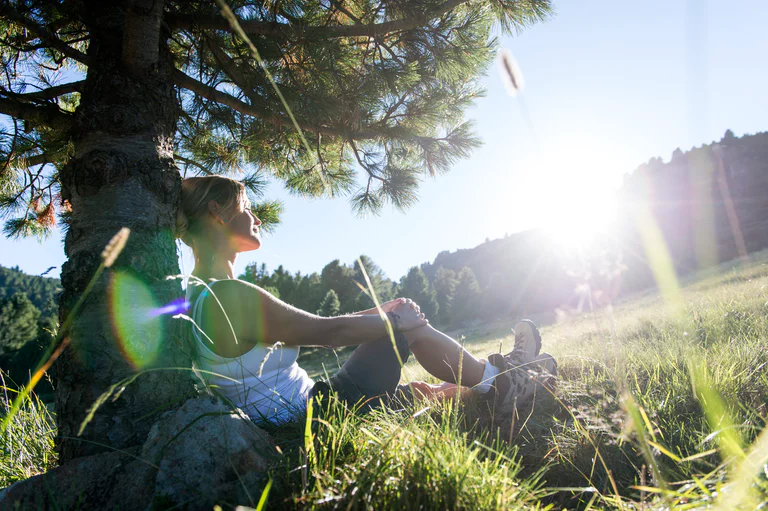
x,y
243,227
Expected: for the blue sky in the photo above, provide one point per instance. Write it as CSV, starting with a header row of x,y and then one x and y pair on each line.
x,y
608,86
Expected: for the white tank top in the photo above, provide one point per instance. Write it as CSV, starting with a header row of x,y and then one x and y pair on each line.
x,y
268,383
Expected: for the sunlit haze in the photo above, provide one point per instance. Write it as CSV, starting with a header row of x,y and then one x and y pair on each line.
x,y
608,86
577,199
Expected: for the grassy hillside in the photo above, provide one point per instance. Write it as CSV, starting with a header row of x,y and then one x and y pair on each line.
x,y
659,406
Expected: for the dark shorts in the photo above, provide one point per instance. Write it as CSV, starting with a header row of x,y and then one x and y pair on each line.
x,y
370,376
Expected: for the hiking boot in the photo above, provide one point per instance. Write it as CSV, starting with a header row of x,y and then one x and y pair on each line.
x,y
546,363
514,384
521,369
527,342
547,366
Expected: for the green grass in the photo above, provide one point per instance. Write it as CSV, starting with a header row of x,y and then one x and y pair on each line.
x,y
26,447
657,407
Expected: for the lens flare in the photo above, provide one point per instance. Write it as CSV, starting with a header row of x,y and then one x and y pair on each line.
x,y
136,322
178,306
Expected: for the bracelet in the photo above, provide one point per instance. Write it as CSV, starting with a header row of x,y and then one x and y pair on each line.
x,y
393,319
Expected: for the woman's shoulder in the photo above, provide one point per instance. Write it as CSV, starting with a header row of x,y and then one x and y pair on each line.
x,y
202,288
221,309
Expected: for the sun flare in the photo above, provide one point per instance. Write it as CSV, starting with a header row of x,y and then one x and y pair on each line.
x,y
575,218
576,203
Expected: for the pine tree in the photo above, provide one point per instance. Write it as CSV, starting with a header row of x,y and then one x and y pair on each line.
x,y
340,278
285,284
106,99
330,306
445,287
382,286
494,298
416,287
465,299
363,301
18,322
309,293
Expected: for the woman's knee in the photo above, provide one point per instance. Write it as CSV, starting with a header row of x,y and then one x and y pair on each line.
x,y
417,334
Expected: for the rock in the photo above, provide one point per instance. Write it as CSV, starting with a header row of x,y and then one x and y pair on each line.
x,y
206,454
198,455
110,480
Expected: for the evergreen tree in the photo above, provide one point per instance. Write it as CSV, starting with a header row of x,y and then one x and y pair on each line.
x,y
382,286
445,287
330,306
20,363
309,293
494,298
363,301
465,299
272,290
106,98
416,287
18,322
340,278
41,291
284,282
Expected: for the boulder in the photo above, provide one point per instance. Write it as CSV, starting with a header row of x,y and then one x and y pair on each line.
x,y
201,454
109,480
206,453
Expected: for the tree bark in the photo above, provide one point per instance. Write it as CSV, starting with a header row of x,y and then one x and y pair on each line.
x,y
122,174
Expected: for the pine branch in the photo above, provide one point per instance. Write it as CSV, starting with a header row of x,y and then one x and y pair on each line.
x,y
40,159
51,92
47,115
364,165
206,91
284,30
43,33
192,163
229,66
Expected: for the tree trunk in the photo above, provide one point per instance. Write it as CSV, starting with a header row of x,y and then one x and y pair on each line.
x,y
121,174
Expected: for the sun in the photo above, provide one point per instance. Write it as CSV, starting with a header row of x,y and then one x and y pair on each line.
x,y
576,202
577,219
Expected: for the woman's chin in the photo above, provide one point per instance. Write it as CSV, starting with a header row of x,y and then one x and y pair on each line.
x,y
249,245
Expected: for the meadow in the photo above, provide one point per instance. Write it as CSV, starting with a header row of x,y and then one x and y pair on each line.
x,y
659,405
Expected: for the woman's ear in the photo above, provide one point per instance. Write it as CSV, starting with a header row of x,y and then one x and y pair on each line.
x,y
215,210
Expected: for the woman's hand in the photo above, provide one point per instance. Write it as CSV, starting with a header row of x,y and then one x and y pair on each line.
x,y
409,316
422,390
390,305
398,302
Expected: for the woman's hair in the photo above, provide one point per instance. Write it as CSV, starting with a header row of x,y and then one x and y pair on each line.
x,y
196,193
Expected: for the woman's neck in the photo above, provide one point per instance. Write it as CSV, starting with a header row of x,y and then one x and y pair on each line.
x,y
216,266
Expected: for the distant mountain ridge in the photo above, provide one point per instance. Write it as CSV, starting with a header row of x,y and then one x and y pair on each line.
x,y
709,203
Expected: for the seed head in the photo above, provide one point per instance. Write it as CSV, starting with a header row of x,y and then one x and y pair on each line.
x,y
510,73
115,246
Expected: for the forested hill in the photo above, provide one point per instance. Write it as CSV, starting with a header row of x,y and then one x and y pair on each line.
x,y
41,291
28,314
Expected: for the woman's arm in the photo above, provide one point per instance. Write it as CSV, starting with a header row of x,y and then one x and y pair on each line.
x,y
385,307
257,317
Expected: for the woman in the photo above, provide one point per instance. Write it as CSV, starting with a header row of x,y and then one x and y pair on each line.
x,y
250,352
